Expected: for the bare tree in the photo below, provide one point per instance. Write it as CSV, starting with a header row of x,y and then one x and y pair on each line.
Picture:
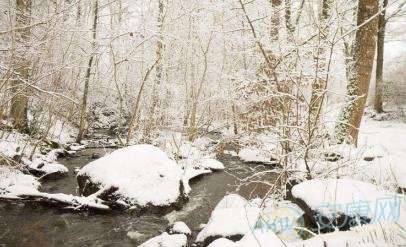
x,y
319,85
83,114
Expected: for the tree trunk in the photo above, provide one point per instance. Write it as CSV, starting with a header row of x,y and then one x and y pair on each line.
x,y
275,20
357,89
19,102
83,109
158,71
379,59
288,16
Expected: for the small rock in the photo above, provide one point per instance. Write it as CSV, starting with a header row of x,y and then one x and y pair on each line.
x,y
95,156
134,235
369,158
76,169
180,227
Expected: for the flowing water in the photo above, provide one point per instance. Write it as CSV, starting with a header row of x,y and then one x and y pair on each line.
x,y
28,224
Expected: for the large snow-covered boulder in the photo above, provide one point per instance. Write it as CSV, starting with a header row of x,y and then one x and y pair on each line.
x,y
342,203
232,218
143,175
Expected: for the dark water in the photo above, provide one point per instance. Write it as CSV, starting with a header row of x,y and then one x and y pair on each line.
x,y
35,225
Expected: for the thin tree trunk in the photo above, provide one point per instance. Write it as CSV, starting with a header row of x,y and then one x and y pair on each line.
x,y
357,89
379,59
275,20
319,84
19,102
137,104
288,16
83,109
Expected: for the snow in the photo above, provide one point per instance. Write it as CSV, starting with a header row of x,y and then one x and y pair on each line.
x,y
62,132
190,173
363,236
134,235
195,158
250,154
223,242
181,227
259,239
19,145
258,148
14,183
76,147
211,164
390,138
166,240
143,173
46,166
378,159
233,215
322,194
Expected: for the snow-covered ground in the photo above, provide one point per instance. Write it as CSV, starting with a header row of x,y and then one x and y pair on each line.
x,y
32,153
387,139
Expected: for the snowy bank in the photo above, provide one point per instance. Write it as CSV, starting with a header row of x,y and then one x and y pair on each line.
x,y
38,159
342,203
14,183
143,174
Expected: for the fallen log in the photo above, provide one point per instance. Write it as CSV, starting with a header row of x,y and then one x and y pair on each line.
x,y
97,201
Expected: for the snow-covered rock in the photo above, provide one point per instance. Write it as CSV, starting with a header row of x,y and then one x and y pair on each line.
x,y
143,174
250,154
76,147
180,227
232,218
190,173
223,242
339,201
260,239
211,164
166,240
134,235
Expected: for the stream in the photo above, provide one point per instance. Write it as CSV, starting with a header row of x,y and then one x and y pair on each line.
x,y
28,224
